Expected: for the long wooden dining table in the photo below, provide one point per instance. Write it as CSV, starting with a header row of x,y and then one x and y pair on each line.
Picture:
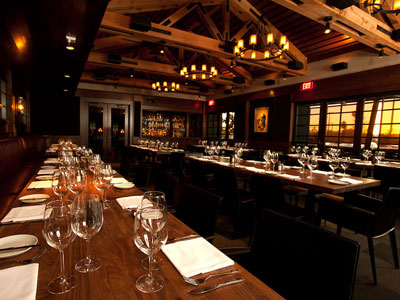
x,y
121,259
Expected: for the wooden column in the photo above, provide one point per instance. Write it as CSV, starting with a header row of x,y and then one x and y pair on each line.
x,y
246,123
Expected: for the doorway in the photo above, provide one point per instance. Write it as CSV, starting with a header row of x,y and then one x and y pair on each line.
x,y
106,128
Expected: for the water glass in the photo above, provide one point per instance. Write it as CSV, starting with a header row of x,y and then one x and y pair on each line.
x,y
59,183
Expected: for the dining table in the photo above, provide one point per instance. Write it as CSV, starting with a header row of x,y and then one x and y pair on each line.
x,y
121,259
318,182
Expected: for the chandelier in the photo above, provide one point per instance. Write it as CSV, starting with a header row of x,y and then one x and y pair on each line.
x,y
271,50
165,87
202,74
376,6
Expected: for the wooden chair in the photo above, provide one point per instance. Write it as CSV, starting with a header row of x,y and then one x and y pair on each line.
x,y
198,209
368,216
300,260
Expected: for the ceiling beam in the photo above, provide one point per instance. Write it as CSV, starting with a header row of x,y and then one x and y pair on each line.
x,y
243,31
226,16
149,67
139,6
119,25
178,15
138,83
245,12
210,24
351,21
112,42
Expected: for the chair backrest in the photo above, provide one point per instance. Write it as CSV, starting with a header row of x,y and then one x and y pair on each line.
x,y
166,183
302,261
388,176
177,165
142,176
385,217
268,192
198,209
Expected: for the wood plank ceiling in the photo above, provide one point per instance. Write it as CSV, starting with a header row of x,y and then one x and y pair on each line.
x,y
184,33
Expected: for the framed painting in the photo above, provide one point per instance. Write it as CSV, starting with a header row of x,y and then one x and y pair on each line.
x,y
261,119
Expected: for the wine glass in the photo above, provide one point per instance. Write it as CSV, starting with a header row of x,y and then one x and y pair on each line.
x,y
102,181
305,149
302,161
333,164
77,180
345,163
150,234
58,233
239,154
267,156
312,164
314,150
217,150
298,150
87,220
59,183
274,159
152,197
293,149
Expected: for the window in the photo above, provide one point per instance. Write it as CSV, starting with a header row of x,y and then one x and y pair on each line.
x,y
381,123
307,123
3,99
221,126
340,124
212,126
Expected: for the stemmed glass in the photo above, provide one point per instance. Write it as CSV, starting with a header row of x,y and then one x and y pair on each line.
x,y
345,163
274,159
150,234
267,156
314,150
77,180
58,233
238,154
59,183
298,150
158,198
333,164
305,149
293,149
302,161
87,220
103,180
312,164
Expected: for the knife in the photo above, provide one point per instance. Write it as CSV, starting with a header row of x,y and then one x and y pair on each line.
x,y
20,247
210,288
188,237
20,222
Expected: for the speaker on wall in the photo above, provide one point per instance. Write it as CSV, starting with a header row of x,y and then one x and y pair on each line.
x,y
269,82
140,23
339,66
295,65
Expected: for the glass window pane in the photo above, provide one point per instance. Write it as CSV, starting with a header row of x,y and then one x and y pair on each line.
x,y
314,120
313,130
397,104
313,139
387,104
350,108
333,108
314,110
347,130
332,130
366,117
392,130
368,105
332,119
349,118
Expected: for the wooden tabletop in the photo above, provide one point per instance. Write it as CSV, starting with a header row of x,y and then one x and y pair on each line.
x,y
157,151
318,182
121,268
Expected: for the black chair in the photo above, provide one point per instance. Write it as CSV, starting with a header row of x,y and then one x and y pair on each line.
x,y
199,175
368,216
142,176
300,260
198,209
167,183
388,176
177,165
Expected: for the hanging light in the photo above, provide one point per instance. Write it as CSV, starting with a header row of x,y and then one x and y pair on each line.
x,y
20,105
327,25
199,74
165,86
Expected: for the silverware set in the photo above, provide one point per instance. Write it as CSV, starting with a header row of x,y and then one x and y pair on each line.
x,y
25,261
206,289
200,281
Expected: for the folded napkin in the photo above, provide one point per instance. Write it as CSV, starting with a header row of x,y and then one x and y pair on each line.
x,y
24,213
19,282
118,180
289,176
43,184
363,163
130,202
195,256
46,171
322,172
352,181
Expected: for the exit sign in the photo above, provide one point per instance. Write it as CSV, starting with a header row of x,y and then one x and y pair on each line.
x,y
307,85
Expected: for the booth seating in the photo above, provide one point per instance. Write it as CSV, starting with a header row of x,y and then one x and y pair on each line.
x,y
20,158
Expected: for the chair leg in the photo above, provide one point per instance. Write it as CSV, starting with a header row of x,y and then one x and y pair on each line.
x,y
372,258
393,244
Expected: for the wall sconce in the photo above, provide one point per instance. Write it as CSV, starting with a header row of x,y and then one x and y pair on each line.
x,y
71,39
20,105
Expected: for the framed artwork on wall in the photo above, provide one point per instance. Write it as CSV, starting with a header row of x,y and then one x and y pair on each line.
x,y
261,116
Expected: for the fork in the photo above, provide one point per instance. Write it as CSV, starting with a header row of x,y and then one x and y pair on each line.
x,y
25,261
200,281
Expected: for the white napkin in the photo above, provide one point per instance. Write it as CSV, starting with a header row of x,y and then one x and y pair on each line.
x,y
44,184
51,161
24,213
289,176
352,181
322,172
46,171
129,202
19,283
118,180
195,256
363,163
